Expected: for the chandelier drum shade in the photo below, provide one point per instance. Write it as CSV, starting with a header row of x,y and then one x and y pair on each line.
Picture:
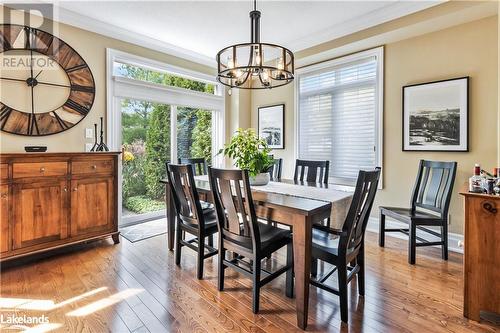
x,y
255,65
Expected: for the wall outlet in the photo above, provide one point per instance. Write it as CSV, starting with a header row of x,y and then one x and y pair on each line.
x,y
88,146
89,133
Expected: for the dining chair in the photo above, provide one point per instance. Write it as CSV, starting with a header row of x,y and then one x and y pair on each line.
x,y
345,249
275,170
310,170
192,218
199,165
432,193
241,233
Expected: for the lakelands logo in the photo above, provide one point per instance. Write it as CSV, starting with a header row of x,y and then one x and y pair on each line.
x,y
14,319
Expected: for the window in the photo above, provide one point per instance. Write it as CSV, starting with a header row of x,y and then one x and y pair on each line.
x,y
340,114
158,113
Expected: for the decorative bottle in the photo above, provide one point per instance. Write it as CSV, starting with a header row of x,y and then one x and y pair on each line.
x,y
476,181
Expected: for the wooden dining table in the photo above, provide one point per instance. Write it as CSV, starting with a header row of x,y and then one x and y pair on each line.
x,y
298,212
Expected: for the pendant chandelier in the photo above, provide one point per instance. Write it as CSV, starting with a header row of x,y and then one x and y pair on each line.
x,y
255,65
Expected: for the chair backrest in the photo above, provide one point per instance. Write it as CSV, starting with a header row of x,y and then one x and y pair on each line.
x,y
434,186
354,227
186,200
199,165
312,168
275,170
236,216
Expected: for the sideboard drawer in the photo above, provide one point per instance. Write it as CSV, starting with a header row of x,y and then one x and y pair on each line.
x,y
4,171
39,169
90,167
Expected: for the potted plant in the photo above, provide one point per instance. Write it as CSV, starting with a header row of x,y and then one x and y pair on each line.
x,y
251,153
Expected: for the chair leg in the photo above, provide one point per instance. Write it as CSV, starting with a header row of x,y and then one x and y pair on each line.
x,y
220,278
381,232
360,260
289,273
328,222
412,241
342,274
314,267
178,245
444,239
201,253
211,240
256,285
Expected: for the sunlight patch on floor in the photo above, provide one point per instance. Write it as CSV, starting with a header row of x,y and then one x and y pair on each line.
x,y
104,303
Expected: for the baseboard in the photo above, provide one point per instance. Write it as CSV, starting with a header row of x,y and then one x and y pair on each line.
x,y
453,239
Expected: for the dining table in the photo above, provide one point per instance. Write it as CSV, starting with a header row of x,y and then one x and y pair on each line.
x,y
289,202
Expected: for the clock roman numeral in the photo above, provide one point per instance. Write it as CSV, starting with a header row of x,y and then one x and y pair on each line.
x,y
61,122
82,88
5,112
5,43
32,125
75,68
30,40
76,107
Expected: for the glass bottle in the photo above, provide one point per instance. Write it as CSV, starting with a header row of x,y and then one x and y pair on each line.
x,y
476,181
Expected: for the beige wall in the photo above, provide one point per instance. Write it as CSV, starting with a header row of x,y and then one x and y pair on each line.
x,y
92,47
465,50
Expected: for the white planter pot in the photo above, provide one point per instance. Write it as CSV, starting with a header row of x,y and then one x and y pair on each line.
x,y
260,179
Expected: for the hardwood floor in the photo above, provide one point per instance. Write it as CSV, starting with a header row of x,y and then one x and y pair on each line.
x,y
137,287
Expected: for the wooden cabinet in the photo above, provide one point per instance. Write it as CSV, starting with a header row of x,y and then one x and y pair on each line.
x,y
481,255
91,205
39,213
51,200
4,218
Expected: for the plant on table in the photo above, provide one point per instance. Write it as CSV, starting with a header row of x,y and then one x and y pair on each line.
x,y
249,152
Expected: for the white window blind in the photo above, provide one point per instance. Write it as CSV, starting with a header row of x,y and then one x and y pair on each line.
x,y
338,117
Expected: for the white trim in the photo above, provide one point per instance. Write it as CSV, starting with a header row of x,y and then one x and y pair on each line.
x,y
378,53
88,23
387,13
453,239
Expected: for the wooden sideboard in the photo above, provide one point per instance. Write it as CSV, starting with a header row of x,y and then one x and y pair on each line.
x,y
481,255
52,200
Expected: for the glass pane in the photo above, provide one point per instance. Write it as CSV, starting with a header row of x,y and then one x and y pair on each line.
x,y
146,144
194,133
158,77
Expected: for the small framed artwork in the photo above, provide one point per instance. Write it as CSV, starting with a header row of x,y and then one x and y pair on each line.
x,y
435,116
271,125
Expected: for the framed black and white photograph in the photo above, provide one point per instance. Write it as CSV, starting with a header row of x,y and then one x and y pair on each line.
x,y
435,116
271,125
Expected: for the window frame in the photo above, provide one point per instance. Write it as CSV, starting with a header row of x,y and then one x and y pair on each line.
x,y
307,70
119,87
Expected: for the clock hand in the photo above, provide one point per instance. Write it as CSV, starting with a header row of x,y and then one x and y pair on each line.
x,y
54,84
39,73
12,79
31,63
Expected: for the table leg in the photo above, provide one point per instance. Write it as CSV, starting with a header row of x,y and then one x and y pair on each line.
x,y
302,239
169,201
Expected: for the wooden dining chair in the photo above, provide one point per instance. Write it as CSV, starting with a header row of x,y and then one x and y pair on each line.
x,y
191,217
199,165
275,170
240,233
310,169
432,192
345,249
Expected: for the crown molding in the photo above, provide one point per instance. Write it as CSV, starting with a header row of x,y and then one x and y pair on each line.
x,y
379,16
87,23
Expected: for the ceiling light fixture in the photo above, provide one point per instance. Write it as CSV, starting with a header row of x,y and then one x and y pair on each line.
x,y
255,65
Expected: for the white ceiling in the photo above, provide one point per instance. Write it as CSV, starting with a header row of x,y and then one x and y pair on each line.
x,y
201,28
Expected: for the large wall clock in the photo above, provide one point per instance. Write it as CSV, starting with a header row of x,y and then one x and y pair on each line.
x,y
45,85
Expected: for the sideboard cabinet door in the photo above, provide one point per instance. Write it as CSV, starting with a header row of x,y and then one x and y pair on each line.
x,y
40,213
4,218
92,208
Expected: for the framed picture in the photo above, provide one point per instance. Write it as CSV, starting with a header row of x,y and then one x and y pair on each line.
x,y
435,116
271,125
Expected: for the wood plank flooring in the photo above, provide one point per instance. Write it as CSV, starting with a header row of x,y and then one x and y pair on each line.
x,y
136,287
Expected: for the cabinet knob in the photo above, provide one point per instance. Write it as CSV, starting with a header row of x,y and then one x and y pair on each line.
x,y
75,189
65,189
94,167
42,170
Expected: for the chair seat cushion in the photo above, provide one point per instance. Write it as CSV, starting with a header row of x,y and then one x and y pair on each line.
x,y
325,242
272,238
405,214
210,218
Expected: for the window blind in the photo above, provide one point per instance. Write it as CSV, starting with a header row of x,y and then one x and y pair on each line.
x,y
338,118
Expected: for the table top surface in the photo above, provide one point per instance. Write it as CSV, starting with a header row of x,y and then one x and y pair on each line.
x,y
298,205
